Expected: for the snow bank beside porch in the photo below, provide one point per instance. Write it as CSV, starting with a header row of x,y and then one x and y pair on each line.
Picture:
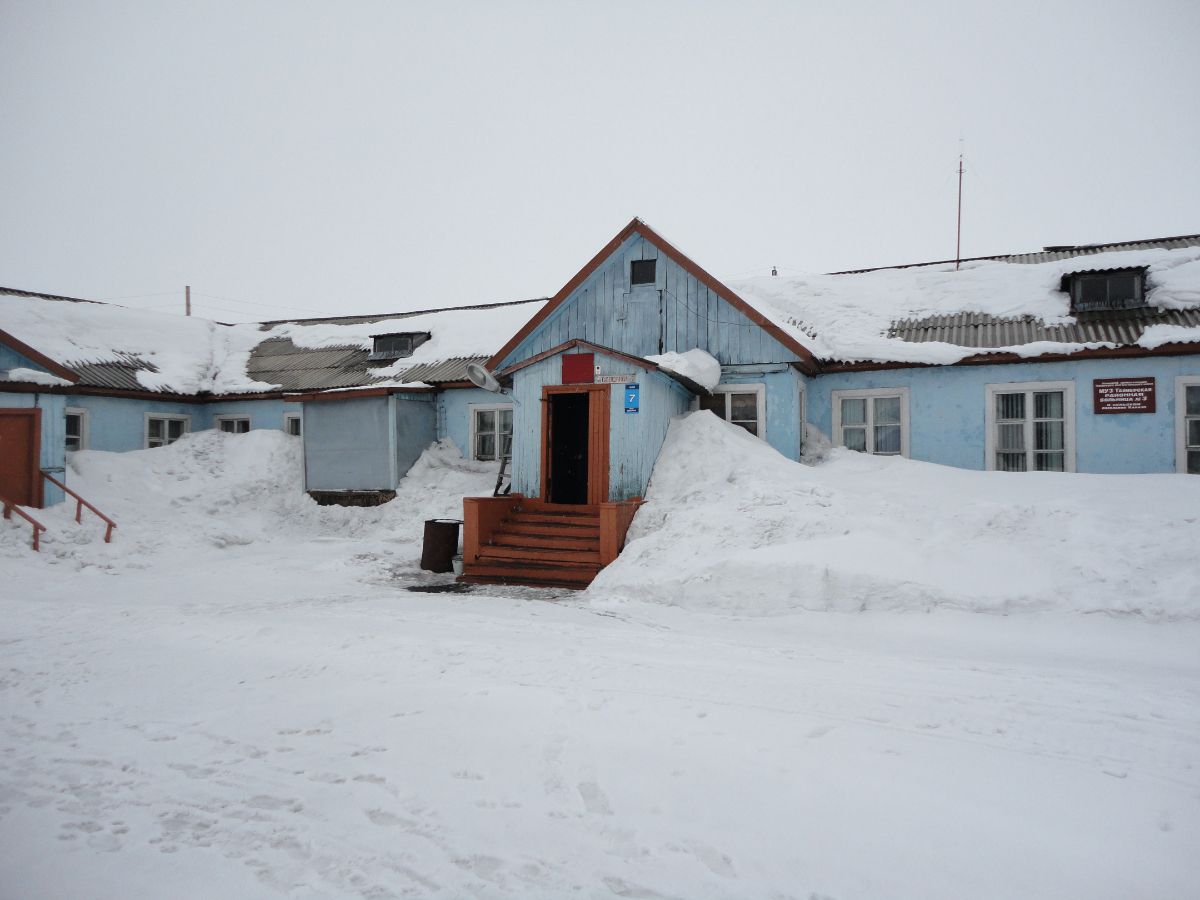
x,y
730,525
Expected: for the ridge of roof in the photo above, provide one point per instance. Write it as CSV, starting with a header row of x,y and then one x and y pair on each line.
x,y
22,293
1046,254
367,318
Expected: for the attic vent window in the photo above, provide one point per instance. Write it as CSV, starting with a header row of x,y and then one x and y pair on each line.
x,y
397,346
1101,291
641,271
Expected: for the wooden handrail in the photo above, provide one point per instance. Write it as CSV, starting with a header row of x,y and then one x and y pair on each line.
x,y
80,503
38,527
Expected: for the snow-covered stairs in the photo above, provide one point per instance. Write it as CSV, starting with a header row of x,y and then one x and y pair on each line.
x,y
546,544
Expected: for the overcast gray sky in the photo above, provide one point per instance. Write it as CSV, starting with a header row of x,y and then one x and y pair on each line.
x,y
346,157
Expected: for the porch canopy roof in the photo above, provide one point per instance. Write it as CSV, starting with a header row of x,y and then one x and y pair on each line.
x,y
505,374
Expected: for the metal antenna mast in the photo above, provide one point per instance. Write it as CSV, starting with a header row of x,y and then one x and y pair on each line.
x,y
958,234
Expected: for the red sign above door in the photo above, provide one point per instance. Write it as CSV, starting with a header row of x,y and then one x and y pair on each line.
x,y
578,368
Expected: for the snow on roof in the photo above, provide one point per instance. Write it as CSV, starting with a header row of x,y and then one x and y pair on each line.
x,y
847,317
188,355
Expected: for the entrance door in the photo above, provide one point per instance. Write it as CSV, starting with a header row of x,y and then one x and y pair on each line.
x,y
575,444
20,433
568,476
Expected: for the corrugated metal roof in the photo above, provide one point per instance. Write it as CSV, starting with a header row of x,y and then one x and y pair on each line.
x,y
441,372
120,374
983,331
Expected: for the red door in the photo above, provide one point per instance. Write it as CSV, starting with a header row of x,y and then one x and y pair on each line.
x,y
20,439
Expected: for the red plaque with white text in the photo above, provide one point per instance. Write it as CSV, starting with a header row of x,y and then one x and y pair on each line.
x,y
1123,395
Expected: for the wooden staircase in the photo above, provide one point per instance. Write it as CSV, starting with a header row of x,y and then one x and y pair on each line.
x,y
541,544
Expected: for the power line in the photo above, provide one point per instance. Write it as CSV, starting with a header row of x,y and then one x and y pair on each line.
x,y
259,303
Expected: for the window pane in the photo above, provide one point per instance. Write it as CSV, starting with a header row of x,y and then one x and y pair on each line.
x,y
1193,462
751,427
485,445
714,404
1010,437
1122,291
1093,292
1010,406
293,426
485,420
1192,393
854,412
1048,405
887,438
174,429
855,438
1048,436
228,425
743,407
506,444
1193,433
506,421
154,429
1048,462
887,410
1010,462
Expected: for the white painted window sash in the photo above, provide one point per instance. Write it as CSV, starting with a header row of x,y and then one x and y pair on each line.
x,y
83,426
1029,388
474,409
870,395
165,418
1182,420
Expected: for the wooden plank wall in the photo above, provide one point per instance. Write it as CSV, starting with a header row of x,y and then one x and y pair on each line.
x,y
677,313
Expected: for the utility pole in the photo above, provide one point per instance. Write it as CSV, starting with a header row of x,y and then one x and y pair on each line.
x,y
958,235
187,300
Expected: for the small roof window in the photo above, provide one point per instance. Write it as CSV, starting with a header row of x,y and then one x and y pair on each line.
x,y
399,345
1105,290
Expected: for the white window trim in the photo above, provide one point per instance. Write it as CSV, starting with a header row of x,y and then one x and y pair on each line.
x,y
473,408
84,437
231,417
186,420
287,417
1182,382
749,387
1013,387
836,398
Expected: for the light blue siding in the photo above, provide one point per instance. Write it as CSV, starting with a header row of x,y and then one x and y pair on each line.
x,y
783,386
634,440
947,410
415,423
262,413
52,453
119,423
347,445
11,359
677,313
454,414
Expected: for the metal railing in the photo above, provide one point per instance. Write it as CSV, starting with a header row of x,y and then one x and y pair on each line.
x,y
80,503
38,527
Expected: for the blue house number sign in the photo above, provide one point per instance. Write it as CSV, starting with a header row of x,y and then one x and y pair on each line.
x,y
633,398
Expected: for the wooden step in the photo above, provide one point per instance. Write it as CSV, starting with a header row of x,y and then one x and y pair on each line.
x,y
554,541
541,506
538,554
573,519
520,572
546,529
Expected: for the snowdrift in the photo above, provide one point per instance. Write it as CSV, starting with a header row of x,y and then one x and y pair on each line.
x,y
212,490
730,525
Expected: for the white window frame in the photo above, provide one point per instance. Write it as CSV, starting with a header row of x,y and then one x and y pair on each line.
x,y
474,408
870,394
232,417
750,387
293,417
185,419
84,441
1016,387
1182,383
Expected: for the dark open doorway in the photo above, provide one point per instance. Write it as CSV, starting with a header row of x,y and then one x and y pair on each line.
x,y
568,481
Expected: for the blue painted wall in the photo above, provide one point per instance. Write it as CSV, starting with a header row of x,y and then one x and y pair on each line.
x,y
634,440
414,420
365,444
784,385
262,413
52,455
454,414
119,423
947,410
11,359
678,313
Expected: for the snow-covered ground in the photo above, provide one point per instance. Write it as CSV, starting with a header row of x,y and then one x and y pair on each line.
x,y
240,698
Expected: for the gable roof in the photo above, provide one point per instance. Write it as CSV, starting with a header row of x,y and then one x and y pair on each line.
x,y
636,226
50,365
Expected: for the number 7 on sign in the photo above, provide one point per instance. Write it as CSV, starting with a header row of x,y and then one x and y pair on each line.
x,y
633,393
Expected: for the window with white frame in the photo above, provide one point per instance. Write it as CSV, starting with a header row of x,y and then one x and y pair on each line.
x,y
291,424
1031,427
743,405
164,430
872,421
491,431
1187,425
76,429
233,424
